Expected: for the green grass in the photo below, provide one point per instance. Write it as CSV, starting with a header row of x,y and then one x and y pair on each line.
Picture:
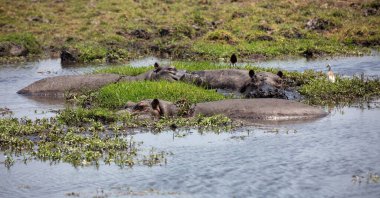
x,y
184,29
91,52
27,40
117,95
343,91
125,70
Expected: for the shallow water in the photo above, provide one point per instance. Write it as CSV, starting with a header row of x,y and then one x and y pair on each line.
x,y
305,160
16,77
314,159
369,65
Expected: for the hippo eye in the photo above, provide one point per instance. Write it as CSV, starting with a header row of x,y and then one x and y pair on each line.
x,y
138,108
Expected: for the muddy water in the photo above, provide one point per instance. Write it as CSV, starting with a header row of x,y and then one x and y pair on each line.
x,y
315,159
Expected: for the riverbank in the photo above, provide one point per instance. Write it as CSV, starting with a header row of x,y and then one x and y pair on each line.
x,y
98,31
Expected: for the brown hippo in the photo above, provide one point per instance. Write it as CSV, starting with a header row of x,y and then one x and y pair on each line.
x,y
248,83
168,73
260,109
57,86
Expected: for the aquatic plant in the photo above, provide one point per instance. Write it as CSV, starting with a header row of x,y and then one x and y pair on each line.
x,y
71,116
48,140
343,91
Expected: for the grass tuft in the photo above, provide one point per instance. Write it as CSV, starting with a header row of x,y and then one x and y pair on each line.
x,y
117,95
26,40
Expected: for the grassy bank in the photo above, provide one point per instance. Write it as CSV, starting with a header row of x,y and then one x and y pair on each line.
x,y
117,30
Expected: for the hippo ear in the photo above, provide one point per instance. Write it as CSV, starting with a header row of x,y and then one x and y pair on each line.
x,y
251,73
156,107
243,89
155,104
156,65
280,74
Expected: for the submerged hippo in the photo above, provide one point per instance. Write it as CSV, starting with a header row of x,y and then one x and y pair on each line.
x,y
242,109
249,83
57,86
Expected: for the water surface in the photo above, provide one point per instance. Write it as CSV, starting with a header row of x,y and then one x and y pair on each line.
x,y
305,160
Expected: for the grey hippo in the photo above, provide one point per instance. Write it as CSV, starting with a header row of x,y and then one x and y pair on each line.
x,y
250,84
261,109
57,86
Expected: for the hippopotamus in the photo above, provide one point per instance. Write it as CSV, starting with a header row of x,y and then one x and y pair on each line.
x,y
260,109
57,86
250,84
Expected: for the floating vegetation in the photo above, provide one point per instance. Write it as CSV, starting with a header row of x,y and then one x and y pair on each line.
x,y
85,137
48,140
343,91
369,178
5,111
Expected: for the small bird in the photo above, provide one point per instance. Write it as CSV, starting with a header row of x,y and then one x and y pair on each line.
x,y
233,60
157,67
330,74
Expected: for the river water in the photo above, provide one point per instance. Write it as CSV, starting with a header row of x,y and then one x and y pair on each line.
x,y
314,159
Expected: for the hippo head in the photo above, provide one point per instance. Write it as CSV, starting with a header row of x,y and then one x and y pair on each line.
x,y
168,73
264,85
151,109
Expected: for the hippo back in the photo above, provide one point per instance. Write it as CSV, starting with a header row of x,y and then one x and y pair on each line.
x,y
260,109
58,85
232,79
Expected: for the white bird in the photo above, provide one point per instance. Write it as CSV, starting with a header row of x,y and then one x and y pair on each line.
x,y
330,74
